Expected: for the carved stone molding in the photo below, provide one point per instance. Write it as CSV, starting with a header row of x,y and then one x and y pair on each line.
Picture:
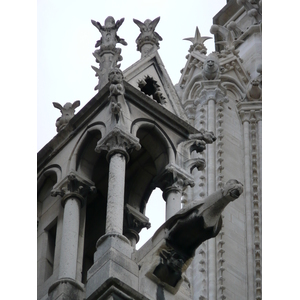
x,y
118,141
250,110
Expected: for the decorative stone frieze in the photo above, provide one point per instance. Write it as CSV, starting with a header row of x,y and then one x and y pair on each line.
x,y
67,111
108,55
148,40
203,271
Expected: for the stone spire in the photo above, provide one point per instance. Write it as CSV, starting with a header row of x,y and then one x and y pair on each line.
x,y
108,55
148,40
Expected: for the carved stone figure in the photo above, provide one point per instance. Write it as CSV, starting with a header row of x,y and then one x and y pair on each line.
x,y
115,77
148,35
109,37
211,67
188,229
108,55
68,111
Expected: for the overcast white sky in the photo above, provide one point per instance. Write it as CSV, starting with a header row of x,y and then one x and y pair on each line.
x,y
66,40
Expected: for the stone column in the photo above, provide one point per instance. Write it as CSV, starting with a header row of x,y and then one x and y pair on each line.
x,y
73,191
117,143
245,116
115,198
211,187
259,126
114,250
172,196
70,235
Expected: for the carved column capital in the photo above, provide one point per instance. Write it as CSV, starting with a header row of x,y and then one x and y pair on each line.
x,y
245,115
174,179
211,90
73,187
118,141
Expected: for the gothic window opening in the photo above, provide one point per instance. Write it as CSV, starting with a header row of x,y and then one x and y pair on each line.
x,y
156,212
50,254
150,87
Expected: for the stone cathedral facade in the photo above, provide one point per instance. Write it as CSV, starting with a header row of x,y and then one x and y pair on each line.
x,y
199,141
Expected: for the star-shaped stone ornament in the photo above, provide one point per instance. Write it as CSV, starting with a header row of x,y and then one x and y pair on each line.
x,y
198,40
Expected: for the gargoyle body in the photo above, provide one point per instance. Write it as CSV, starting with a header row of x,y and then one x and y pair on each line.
x,y
188,229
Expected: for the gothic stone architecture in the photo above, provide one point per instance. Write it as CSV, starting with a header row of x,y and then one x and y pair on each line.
x,y
198,141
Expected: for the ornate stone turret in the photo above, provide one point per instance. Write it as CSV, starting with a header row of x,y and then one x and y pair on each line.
x,y
108,55
148,40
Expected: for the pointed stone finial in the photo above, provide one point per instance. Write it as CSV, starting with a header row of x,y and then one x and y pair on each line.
x,y
109,37
198,42
108,55
67,111
148,40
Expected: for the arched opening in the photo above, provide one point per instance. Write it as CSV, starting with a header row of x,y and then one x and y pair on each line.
x,y
156,212
95,167
142,171
47,227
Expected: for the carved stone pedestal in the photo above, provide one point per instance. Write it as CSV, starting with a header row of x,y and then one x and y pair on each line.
x,y
112,260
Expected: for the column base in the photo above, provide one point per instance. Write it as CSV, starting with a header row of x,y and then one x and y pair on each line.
x,y
113,288
66,289
112,261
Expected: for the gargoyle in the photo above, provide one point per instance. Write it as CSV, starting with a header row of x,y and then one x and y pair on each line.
x,y
68,111
197,222
211,67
